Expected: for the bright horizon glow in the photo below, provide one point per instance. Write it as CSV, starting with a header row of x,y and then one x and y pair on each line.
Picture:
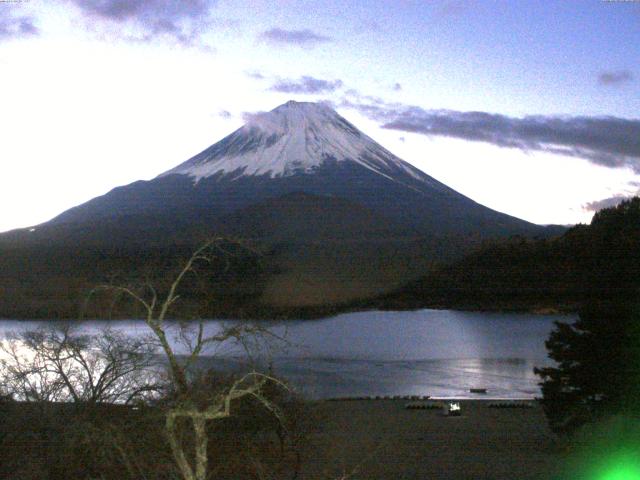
x,y
84,109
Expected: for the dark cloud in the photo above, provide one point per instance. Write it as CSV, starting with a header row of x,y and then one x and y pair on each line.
x,y
615,78
306,85
183,21
300,38
149,11
606,141
606,202
16,27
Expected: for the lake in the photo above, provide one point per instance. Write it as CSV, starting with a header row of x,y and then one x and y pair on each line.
x,y
441,353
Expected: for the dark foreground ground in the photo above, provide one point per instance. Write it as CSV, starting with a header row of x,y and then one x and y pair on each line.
x,y
381,439
339,440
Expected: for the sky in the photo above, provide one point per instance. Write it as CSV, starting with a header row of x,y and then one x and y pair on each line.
x,y
530,108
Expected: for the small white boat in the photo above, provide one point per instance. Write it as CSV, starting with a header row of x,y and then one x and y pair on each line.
x,y
452,409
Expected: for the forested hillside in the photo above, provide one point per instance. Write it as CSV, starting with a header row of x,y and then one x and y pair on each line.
x,y
587,261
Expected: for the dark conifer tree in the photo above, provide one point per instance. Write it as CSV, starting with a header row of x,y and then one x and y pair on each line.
x,y
598,365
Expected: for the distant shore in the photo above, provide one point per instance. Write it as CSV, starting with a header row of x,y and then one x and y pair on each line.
x,y
382,439
320,312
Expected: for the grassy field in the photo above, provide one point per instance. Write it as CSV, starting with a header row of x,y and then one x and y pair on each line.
x,y
381,439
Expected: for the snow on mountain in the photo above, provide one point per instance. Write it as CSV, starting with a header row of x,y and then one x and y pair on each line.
x,y
296,137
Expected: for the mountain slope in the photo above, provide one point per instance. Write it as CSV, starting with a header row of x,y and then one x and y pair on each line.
x,y
303,217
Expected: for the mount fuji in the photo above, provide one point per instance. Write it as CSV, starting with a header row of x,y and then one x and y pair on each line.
x,y
340,217
295,148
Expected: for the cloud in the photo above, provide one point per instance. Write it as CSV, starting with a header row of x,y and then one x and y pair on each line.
x,y
224,114
397,87
615,78
371,106
255,75
248,117
633,190
607,141
301,38
606,202
306,85
263,121
16,27
183,21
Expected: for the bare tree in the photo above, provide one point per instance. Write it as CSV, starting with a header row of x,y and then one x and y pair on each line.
x,y
193,401
56,363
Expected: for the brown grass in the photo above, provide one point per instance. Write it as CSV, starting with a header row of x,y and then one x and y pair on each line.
x,y
380,439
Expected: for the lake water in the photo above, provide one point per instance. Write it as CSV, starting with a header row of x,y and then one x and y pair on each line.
x,y
441,353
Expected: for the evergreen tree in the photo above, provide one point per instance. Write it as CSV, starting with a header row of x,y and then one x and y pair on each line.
x,y
598,365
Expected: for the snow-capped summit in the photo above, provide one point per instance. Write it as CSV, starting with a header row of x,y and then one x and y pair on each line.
x,y
296,137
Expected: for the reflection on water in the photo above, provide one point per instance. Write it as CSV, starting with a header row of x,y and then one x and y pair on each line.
x,y
441,353
330,378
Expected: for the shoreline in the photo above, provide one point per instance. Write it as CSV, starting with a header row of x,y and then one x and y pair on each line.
x,y
321,312
427,398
